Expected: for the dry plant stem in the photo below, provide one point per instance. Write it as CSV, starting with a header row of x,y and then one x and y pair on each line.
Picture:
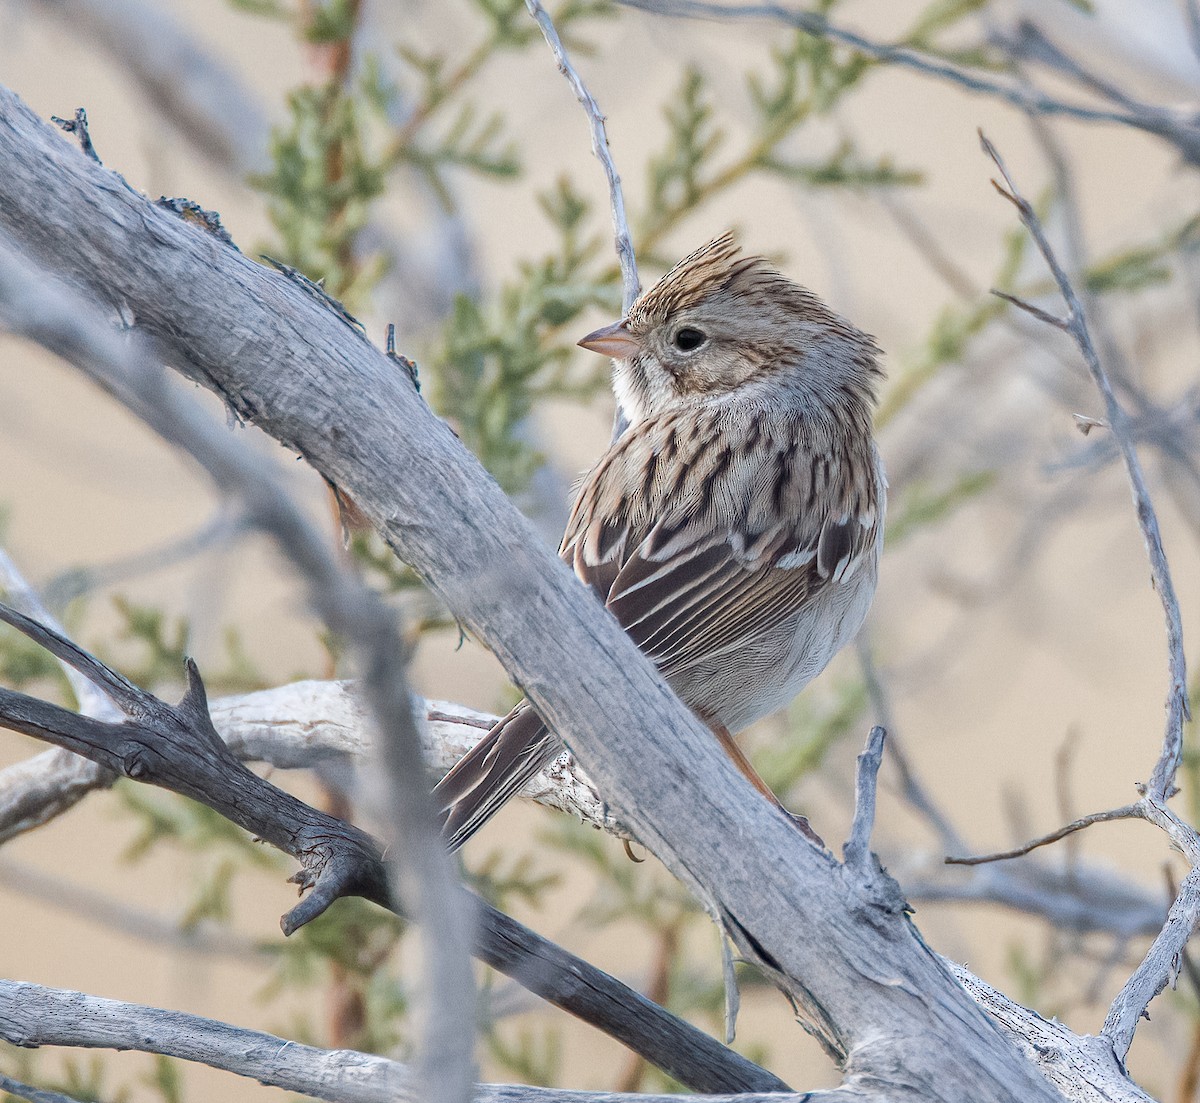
x,y
1180,128
66,325
32,1094
1126,812
1161,962
863,981
630,286
1159,968
177,749
1163,778
31,1015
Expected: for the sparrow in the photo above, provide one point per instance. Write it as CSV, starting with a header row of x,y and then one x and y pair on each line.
x,y
734,528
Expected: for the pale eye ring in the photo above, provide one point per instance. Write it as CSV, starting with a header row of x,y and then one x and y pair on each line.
x,y
687,339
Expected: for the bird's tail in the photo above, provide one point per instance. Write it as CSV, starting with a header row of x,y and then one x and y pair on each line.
x,y
495,769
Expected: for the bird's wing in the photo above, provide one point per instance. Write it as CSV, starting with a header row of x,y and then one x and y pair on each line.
x,y
698,549
517,748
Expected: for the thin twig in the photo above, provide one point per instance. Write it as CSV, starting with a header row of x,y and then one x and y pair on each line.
x,y
1179,128
630,287
1161,961
910,785
857,848
1040,314
31,1094
1127,812
1163,777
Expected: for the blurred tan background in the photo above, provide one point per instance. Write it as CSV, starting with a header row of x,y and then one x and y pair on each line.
x,y
995,652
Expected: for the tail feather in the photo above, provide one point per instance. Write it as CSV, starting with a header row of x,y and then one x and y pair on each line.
x,y
493,771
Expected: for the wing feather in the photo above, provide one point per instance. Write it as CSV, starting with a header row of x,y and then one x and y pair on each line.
x,y
734,546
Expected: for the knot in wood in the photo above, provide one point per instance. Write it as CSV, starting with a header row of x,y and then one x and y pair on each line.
x,y
134,763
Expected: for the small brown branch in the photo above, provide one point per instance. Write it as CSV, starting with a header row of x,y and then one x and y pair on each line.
x,y
1025,305
658,990
1127,812
176,748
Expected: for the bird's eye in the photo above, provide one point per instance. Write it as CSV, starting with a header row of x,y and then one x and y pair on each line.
x,y
687,339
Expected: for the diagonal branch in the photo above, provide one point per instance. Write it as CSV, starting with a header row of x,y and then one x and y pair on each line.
x,y
630,285
1181,129
1159,965
176,748
863,981
31,1015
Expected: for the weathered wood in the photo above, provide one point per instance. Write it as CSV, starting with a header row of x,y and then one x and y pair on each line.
x,y
176,747
865,983
31,1015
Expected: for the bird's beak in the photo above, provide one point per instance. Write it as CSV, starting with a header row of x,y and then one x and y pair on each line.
x,y
614,340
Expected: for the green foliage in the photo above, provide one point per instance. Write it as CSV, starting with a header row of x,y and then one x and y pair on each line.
x,y
220,851
165,1080
939,16
353,943
924,504
533,1057
23,663
503,878
162,641
495,363
807,79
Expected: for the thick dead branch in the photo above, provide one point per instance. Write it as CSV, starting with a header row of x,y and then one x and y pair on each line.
x,y
864,982
31,1015
176,748
1083,1069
